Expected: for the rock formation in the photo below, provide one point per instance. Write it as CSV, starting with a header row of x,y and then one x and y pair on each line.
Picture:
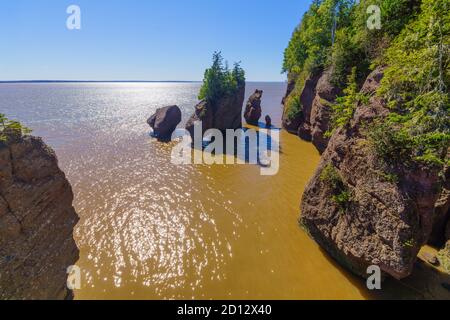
x,y
442,214
226,113
164,122
320,116
357,214
316,98
299,124
268,121
36,222
253,111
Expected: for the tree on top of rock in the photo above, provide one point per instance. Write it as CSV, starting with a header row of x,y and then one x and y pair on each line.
x,y
220,81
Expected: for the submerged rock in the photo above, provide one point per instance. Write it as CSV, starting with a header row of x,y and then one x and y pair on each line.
x,y
225,113
358,215
253,111
36,222
165,121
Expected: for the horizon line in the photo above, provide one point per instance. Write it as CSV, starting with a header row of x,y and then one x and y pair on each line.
x,y
116,81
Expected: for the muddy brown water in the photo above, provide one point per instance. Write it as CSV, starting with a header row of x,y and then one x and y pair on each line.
x,y
153,230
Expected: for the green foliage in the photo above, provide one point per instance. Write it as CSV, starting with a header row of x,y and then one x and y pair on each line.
x,y
293,107
345,106
311,47
220,81
444,257
389,177
342,199
345,54
414,44
311,41
409,243
11,126
416,82
341,195
390,142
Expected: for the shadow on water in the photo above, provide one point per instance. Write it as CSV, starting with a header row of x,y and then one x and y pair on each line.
x,y
424,283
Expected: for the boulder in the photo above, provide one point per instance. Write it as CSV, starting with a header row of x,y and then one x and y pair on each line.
x,y
165,121
223,114
36,222
356,214
253,112
268,121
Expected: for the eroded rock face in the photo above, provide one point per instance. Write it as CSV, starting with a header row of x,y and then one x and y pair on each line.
x,y
253,111
375,221
165,121
300,124
36,222
316,99
223,114
320,117
441,216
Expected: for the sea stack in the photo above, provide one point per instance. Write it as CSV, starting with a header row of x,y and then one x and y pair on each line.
x,y
164,122
36,222
225,113
253,110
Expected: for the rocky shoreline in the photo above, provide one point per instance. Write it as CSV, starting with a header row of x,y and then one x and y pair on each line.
x,y
382,222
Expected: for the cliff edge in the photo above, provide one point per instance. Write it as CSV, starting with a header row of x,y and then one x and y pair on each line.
x,y
36,221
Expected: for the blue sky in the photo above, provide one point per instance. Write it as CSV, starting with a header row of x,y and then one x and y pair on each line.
x,y
144,39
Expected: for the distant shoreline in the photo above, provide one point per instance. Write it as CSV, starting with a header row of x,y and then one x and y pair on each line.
x,y
93,81
114,81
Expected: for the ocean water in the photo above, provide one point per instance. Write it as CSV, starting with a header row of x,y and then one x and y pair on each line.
x,y
153,230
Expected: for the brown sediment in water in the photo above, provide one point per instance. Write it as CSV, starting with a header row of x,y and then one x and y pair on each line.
x,y
150,229
154,230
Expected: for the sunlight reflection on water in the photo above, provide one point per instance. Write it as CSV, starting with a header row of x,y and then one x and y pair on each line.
x,y
150,229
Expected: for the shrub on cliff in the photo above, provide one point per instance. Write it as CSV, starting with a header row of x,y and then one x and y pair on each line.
x,y
417,79
11,126
219,80
340,193
345,106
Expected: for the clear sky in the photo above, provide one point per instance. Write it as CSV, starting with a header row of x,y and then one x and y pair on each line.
x,y
144,39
